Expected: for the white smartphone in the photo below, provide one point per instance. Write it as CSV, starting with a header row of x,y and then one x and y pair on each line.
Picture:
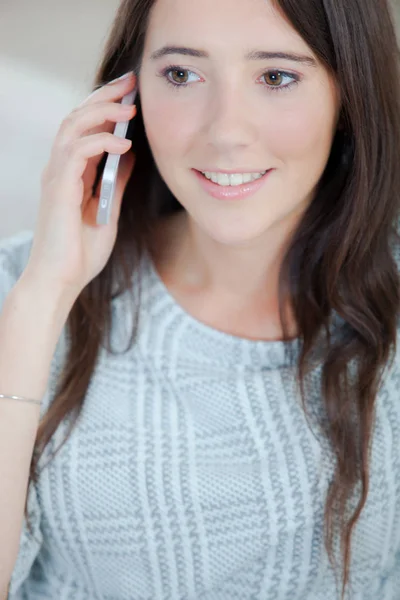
x,y
110,173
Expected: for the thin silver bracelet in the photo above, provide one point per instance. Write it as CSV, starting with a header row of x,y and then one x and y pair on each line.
x,y
22,399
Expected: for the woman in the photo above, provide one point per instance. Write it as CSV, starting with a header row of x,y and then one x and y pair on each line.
x,y
245,444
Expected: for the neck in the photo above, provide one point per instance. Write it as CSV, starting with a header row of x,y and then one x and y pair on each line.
x,y
231,288
248,272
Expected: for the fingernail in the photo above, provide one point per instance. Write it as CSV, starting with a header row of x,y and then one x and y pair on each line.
x,y
129,74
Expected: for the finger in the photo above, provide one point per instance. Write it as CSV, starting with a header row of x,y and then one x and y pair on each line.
x,y
110,92
99,117
77,155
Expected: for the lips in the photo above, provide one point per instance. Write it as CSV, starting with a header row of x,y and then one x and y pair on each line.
x,y
231,192
229,172
237,178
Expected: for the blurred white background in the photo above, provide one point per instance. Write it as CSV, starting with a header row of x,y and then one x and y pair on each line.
x,y
49,51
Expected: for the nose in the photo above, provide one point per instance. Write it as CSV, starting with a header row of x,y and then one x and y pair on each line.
x,y
231,121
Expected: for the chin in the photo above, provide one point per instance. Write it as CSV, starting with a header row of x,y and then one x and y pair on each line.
x,y
235,234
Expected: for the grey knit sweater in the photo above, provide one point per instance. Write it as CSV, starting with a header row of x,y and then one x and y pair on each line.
x,y
193,473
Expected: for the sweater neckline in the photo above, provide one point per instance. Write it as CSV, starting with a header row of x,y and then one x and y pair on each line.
x,y
213,344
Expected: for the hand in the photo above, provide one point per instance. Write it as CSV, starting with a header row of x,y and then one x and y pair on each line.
x,y
69,249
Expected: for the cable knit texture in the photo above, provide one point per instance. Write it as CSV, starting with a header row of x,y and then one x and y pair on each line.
x,y
193,473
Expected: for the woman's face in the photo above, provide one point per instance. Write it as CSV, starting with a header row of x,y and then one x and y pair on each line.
x,y
231,112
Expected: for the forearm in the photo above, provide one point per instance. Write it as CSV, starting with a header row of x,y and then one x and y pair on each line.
x,y
30,325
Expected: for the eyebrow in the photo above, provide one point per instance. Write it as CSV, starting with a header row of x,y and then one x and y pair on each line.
x,y
253,55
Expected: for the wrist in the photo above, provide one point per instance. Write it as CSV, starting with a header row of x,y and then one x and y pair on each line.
x,y
44,296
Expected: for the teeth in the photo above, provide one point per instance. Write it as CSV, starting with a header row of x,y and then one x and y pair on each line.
x,y
234,179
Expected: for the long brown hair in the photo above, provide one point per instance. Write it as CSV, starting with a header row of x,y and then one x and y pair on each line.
x,y
340,257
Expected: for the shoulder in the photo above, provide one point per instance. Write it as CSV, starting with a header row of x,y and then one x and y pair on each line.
x,y
14,252
14,256
395,242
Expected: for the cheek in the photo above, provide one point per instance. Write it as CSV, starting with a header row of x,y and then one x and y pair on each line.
x,y
304,133
170,126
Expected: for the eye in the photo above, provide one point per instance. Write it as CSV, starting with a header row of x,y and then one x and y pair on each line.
x,y
177,76
275,78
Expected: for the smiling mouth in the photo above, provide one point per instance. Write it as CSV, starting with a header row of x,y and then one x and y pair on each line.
x,y
232,179
229,189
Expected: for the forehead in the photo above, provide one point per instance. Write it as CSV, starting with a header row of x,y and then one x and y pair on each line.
x,y
219,24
